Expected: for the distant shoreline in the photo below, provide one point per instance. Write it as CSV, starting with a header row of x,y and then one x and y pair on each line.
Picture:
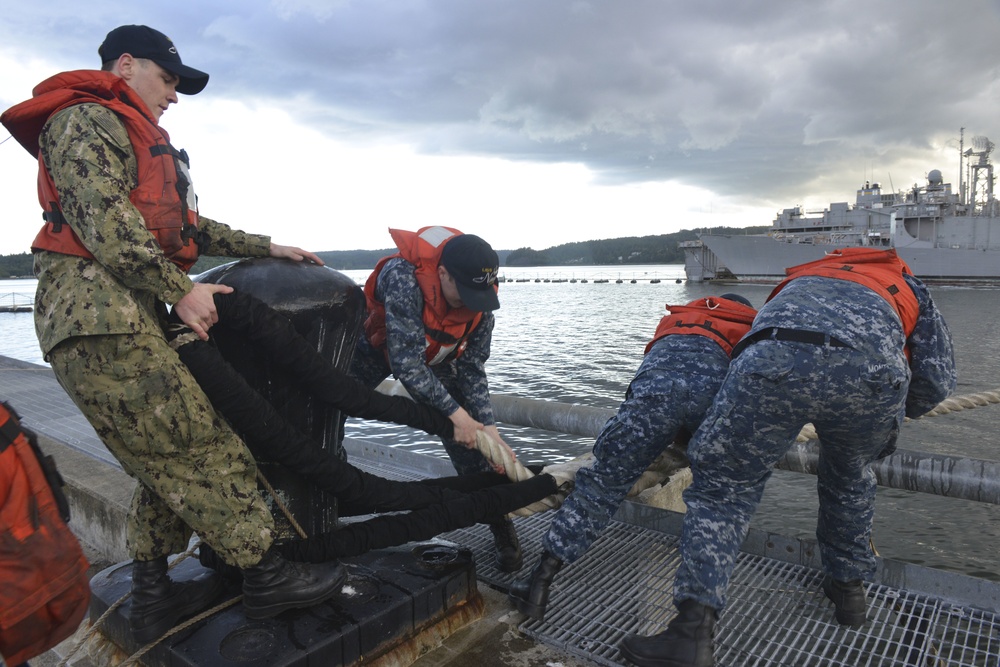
x,y
620,253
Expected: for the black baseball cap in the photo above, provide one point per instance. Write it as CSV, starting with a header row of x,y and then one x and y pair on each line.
x,y
474,265
143,42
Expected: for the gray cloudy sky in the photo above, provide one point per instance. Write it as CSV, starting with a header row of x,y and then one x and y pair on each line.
x,y
534,122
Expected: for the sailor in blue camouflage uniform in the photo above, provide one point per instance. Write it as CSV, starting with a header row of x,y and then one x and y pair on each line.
x,y
121,230
430,324
683,368
850,343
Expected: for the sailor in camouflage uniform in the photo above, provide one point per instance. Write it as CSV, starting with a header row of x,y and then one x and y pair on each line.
x,y
437,345
850,343
105,272
683,368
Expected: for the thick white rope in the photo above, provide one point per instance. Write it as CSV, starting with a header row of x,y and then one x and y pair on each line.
x,y
966,402
947,406
495,453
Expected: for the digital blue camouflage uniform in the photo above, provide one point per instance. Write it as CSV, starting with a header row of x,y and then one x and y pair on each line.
x,y
446,386
99,323
672,390
856,398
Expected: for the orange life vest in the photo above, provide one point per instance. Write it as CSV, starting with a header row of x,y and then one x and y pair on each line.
x,y
880,270
44,590
164,195
447,329
722,320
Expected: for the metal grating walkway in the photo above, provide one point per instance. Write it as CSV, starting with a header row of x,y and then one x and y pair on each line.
x,y
777,615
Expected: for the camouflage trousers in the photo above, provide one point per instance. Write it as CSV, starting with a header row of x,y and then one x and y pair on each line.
x,y
672,389
771,391
369,367
194,473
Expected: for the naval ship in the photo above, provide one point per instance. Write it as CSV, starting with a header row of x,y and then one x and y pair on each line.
x,y
946,237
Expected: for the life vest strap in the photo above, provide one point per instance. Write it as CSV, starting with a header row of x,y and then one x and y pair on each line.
x,y
8,433
159,150
201,239
793,335
55,217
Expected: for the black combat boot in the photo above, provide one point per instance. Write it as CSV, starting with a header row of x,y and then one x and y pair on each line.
x,y
849,600
159,602
275,585
687,641
531,594
508,547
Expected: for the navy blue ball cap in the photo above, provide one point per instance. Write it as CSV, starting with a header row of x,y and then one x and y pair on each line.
x,y
737,298
474,266
141,41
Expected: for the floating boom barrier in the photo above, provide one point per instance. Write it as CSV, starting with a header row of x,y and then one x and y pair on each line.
x,y
948,476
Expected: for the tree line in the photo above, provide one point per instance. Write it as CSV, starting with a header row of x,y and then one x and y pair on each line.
x,y
658,249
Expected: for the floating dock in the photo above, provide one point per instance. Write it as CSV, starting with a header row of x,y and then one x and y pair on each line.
x,y
777,614
15,302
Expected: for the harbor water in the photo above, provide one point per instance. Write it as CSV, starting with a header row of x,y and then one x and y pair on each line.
x,y
580,342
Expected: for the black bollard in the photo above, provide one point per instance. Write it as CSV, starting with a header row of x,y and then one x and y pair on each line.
x,y
327,308
393,599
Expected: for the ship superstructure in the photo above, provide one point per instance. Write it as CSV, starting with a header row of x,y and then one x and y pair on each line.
x,y
945,236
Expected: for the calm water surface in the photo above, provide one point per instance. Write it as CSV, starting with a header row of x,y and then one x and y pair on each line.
x,y
581,343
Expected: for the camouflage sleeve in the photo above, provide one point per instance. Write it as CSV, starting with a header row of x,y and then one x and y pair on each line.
x,y
406,342
224,241
471,367
932,357
92,163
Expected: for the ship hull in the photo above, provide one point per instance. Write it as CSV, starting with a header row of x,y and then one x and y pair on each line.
x,y
946,236
762,259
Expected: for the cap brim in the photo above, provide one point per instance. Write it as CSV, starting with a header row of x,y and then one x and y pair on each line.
x,y
479,300
192,82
